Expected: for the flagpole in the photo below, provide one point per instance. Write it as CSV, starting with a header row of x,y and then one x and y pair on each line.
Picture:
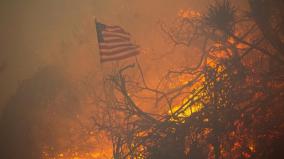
x,y
97,44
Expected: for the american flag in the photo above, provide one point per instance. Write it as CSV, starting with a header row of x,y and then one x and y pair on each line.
x,y
114,43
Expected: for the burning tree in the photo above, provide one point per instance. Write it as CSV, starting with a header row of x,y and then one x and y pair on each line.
x,y
229,105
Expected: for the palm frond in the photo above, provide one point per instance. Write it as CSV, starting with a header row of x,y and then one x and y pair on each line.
x,y
221,16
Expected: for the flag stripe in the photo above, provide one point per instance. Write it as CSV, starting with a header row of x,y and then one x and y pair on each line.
x,y
114,40
117,51
116,31
116,36
113,46
102,44
104,49
107,34
120,54
114,27
104,59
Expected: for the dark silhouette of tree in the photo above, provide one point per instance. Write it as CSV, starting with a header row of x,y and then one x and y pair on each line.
x,y
2,67
232,103
23,130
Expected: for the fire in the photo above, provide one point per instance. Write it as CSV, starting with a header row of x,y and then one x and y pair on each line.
x,y
251,147
105,154
188,13
180,80
186,107
189,109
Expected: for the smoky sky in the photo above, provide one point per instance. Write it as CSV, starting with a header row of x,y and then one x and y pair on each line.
x,y
37,33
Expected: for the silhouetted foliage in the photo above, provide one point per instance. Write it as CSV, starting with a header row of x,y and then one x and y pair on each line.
x,y
231,105
26,121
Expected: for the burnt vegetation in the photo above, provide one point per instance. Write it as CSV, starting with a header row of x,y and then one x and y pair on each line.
x,y
231,103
